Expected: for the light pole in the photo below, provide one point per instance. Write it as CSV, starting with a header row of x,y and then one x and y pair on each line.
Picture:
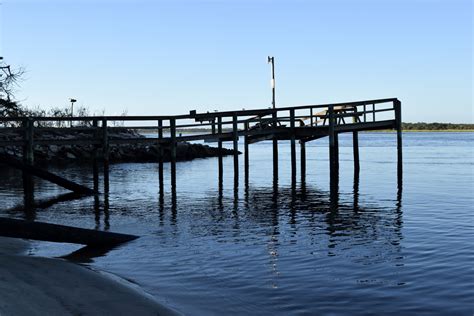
x,y
72,109
272,61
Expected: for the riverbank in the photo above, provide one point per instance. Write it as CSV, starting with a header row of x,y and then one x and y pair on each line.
x,y
44,286
117,153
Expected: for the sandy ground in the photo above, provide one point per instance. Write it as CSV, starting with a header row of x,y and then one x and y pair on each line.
x,y
43,286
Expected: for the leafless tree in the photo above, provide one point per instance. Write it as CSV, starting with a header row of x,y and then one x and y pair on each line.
x,y
9,80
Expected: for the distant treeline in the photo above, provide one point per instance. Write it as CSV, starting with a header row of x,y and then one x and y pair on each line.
x,y
436,126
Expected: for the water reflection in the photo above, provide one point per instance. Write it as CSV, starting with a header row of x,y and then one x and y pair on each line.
x,y
275,215
102,209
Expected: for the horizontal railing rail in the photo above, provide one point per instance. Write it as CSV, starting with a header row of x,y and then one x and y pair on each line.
x,y
202,125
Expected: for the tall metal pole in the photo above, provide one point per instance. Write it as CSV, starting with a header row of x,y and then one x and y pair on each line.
x,y
271,60
72,110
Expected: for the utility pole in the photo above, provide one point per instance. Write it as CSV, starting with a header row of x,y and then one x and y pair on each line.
x,y
72,109
271,60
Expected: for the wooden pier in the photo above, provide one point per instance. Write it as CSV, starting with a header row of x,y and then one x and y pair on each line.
x,y
298,124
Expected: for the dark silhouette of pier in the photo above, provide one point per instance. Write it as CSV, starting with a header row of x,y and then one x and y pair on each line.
x,y
297,124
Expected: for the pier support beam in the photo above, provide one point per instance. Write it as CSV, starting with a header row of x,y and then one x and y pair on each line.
x,y
333,146
173,153
219,145
105,155
235,137
95,157
246,158
303,160
293,145
28,147
28,159
355,151
275,149
160,158
398,119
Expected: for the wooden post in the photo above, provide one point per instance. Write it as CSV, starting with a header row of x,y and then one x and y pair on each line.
x,y
355,151
105,154
235,137
303,160
336,140
160,157
173,153
275,148
333,159
398,121
28,159
293,145
219,145
95,158
28,148
246,160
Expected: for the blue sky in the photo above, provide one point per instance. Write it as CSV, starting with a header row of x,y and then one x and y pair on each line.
x,y
167,57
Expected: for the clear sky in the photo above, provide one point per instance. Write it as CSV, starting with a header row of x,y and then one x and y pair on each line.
x,y
168,57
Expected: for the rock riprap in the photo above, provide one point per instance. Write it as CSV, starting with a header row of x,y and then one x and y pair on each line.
x,y
136,152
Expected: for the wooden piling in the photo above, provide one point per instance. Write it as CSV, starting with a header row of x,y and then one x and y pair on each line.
x,y
28,159
160,156
355,151
235,137
355,143
173,152
275,148
246,158
28,148
333,142
105,154
398,121
293,144
219,145
95,157
303,160
336,140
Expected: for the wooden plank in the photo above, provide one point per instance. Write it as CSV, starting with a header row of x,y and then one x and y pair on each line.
x,y
386,124
58,233
46,175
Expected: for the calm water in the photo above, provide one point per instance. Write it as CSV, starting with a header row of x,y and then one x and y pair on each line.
x,y
266,249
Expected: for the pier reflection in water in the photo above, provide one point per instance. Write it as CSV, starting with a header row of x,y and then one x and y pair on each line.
x,y
273,246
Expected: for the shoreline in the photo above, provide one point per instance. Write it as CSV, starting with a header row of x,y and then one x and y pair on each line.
x,y
50,286
424,131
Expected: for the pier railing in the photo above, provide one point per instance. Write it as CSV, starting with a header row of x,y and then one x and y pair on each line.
x,y
370,114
